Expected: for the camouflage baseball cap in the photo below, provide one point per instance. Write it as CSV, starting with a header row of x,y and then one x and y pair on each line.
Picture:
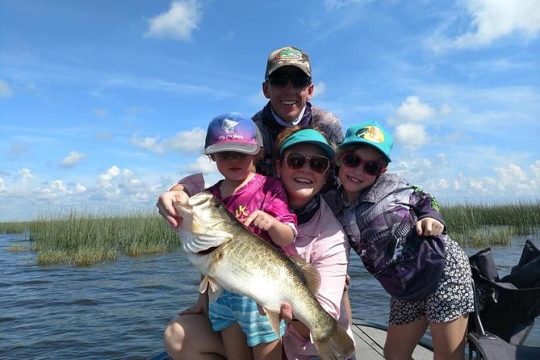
x,y
287,56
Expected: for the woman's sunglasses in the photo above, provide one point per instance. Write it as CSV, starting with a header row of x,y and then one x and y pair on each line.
x,y
371,167
299,81
317,163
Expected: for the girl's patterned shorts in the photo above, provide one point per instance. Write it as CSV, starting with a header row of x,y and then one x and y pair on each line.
x,y
452,299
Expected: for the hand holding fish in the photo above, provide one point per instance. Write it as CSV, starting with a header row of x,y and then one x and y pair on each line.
x,y
166,208
429,227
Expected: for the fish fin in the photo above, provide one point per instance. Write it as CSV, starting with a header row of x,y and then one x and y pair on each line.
x,y
338,345
214,290
203,285
275,320
311,274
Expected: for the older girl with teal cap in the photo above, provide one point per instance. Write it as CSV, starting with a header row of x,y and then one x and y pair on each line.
x,y
398,232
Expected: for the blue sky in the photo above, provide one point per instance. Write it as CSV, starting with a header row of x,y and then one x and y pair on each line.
x,y
104,104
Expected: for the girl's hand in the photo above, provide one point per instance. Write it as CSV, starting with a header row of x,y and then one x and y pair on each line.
x,y
429,227
261,220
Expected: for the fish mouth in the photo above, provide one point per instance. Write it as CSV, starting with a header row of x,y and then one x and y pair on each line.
x,y
207,251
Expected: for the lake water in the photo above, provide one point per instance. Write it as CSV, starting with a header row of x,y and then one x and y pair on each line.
x,y
118,310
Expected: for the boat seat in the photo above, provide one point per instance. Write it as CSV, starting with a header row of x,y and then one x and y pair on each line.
x,y
505,308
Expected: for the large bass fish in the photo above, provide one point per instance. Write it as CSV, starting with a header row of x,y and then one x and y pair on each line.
x,y
231,257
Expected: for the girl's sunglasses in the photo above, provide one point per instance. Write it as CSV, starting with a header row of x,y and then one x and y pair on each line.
x,y
317,163
299,81
371,167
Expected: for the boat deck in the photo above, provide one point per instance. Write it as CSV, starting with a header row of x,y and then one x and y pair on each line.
x,y
369,340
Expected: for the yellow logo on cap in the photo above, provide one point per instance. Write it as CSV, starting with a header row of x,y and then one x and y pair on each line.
x,y
371,133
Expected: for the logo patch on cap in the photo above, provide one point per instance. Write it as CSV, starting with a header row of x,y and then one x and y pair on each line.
x,y
229,126
289,54
371,133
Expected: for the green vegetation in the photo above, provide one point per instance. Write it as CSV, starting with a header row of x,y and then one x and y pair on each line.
x,y
484,225
84,239
13,227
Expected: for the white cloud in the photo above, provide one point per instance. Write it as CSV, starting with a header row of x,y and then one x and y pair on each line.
x,y
72,159
5,89
203,164
79,188
178,23
2,185
59,190
494,19
105,180
319,89
183,141
25,175
412,109
116,183
56,189
535,168
413,135
510,182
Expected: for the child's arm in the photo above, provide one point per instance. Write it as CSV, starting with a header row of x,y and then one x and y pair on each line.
x,y
280,233
430,221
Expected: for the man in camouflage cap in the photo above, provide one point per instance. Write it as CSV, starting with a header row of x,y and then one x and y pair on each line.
x,y
288,87
287,56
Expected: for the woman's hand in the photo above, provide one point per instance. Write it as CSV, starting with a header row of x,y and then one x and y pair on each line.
x,y
429,227
286,312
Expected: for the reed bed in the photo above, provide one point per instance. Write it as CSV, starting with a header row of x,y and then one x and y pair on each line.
x,y
480,225
83,239
13,227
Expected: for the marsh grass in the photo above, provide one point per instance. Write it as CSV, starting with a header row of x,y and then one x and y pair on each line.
x,y
482,225
83,239
13,227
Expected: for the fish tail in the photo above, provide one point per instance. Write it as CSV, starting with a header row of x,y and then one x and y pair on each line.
x,y
337,346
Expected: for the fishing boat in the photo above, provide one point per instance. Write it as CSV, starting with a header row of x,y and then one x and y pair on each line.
x,y
369,340
495,333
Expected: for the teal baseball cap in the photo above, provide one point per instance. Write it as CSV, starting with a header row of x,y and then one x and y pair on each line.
x,y
308,136
371,133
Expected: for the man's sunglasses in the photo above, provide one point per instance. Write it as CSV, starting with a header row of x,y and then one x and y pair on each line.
x,y
371,167
299,81
317,163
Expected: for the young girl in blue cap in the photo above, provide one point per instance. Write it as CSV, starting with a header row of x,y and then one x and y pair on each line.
x,y
398,232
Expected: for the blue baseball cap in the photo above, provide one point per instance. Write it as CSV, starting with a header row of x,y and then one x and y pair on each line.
x,y
308,136
232,132
371,133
